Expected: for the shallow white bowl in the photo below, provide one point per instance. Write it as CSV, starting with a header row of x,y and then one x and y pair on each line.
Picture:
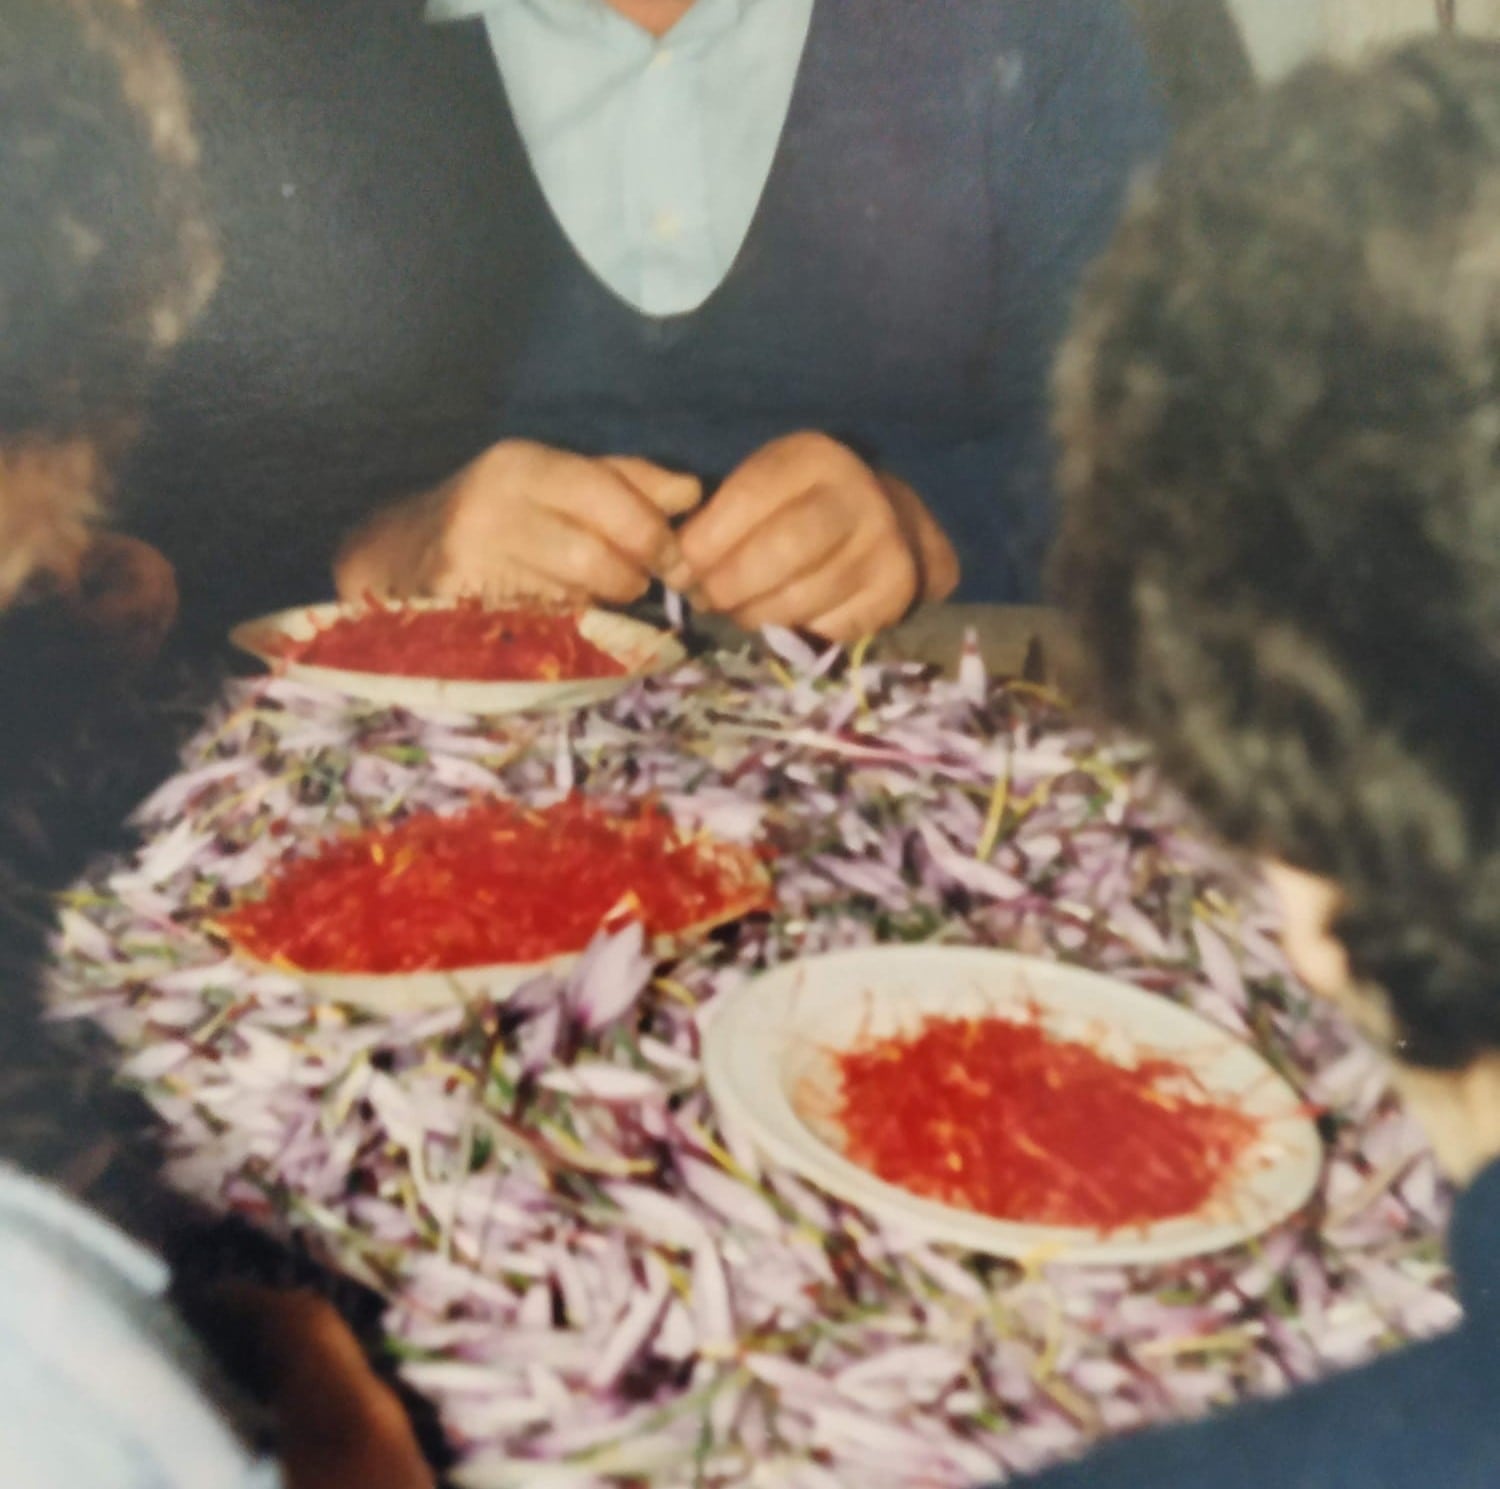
x,y
642,649
411,992
391,993
767,1063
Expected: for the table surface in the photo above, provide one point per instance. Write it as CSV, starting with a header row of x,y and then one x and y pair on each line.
x,y
1014,640
588,1273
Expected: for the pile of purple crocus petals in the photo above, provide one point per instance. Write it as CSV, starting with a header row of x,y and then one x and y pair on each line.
x,y
593,1278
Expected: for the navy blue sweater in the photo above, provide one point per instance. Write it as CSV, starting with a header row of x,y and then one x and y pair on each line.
x,y
1422,1418
398,294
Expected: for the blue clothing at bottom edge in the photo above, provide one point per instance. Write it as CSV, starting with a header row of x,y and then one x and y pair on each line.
x,y
101,1385
1424,1417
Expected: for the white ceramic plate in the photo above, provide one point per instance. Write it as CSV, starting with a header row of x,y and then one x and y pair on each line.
x,y
641,648
767,1062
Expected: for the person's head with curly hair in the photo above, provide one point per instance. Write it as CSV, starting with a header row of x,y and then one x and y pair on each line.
x,y
106,255
1279,411
105,258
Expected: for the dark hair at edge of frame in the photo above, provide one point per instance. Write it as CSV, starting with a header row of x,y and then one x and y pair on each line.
x,y
105,254
105,258
1279,410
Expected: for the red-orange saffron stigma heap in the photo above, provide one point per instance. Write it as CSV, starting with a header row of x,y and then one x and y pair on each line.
x,y
461,642
1000,1117
497,883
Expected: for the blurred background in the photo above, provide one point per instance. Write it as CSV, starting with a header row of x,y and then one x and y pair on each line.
x,y
1281,33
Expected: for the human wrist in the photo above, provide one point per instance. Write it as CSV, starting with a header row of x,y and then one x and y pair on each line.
x,y
936,560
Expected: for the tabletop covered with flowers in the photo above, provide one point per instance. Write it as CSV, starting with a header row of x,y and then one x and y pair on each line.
x,y
593,1277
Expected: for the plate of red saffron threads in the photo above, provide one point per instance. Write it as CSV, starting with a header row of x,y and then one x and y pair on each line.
x,y
446,907
463,654
1013,1106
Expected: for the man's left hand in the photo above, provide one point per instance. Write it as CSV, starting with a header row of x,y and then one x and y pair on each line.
x,y
805,535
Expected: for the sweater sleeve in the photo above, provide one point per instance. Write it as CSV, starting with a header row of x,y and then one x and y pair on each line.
x,y
1422,1416
1075,115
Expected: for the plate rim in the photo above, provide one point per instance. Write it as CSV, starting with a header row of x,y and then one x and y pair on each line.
x,y
425,991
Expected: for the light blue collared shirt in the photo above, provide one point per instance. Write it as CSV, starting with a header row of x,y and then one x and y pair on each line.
x,y
101,1387
652,154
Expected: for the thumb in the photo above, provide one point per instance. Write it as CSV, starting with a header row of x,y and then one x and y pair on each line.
x,y
671,492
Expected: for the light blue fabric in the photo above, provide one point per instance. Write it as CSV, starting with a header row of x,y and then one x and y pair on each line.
x,y
100,1385
652,154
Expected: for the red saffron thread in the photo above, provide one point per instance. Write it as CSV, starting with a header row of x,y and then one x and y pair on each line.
x,y
1002,1118
464,641
497,883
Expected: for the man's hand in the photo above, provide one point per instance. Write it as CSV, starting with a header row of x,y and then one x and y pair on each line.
x,y
805,534
525,520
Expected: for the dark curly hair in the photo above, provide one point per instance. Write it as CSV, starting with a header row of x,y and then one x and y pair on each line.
x,y
105,257
1279,411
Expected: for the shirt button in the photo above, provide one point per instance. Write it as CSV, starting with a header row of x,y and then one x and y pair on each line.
x,y
667,226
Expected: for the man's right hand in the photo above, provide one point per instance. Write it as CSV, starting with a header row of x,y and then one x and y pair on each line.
x,y
525,520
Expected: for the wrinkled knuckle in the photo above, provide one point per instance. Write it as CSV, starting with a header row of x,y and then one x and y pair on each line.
x,y
642,540
717,589
838,526
786,547
510,455
622,585
477,482
693,546
814,444
580,558
500,479
468,518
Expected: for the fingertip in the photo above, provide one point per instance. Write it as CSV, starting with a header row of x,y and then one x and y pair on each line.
x,y
680,495
699,541
627,593
673,493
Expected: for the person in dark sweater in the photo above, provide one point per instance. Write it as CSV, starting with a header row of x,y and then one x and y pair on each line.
x,y
1279,412
800,262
